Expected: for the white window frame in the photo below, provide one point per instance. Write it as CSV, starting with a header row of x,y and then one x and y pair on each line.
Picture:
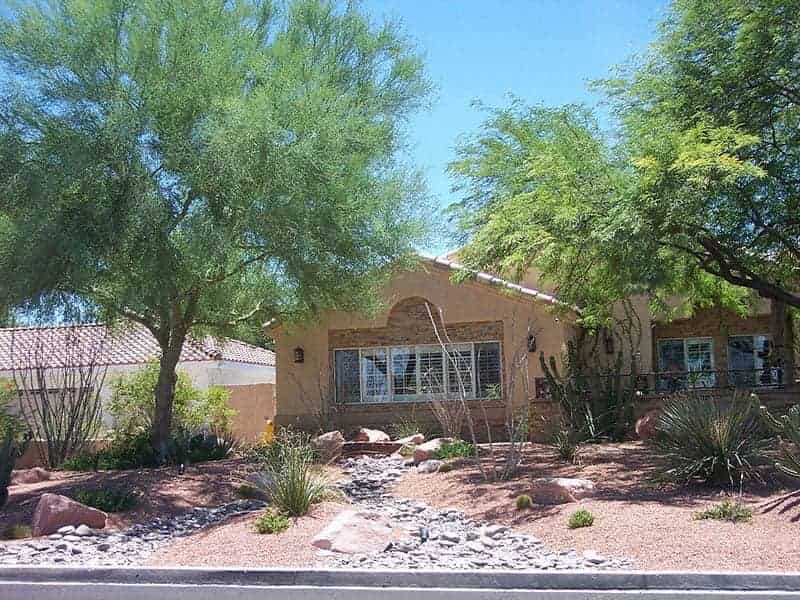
x,y
390,397
773,374
707,378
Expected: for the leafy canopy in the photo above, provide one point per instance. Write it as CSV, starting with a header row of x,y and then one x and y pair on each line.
x,y
203,165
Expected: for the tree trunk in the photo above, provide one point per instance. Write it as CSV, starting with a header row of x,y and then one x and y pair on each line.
x,y
165,396
782,331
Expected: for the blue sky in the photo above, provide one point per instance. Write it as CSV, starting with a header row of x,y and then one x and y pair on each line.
x,y
543,51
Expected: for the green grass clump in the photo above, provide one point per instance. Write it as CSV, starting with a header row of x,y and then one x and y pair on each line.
x,y
446,467
81,462
272,522
735,512
248,491
455,449
108,499
580,518
17,532
524,502
567,446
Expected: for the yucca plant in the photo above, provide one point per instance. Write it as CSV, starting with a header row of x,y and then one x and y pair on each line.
x,y
706,439
567,446
787,427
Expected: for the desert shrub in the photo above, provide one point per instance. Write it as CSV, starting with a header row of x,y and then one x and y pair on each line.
x,y
735,512
273,454
84,462
709,440
12,439
580,518
287,477
787,428
446,467
455,449
524,502
128,452
18,531
272,522
108,499
204,446
248,491
567,446
406,427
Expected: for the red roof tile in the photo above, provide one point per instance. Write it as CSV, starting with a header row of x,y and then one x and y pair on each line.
x,y
123,345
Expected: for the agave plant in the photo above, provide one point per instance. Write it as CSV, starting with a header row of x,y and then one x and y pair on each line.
x,y
707,439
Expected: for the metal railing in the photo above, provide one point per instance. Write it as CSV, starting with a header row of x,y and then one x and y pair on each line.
x,y
676,381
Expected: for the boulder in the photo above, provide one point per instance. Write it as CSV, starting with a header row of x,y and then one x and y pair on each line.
x,y
54,512
329,445
355,532
429,466
646,424
560,490
412,440
26,476
371,435
428,450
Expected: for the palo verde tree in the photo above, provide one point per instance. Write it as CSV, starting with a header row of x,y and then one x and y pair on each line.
x,y
697,192
197,167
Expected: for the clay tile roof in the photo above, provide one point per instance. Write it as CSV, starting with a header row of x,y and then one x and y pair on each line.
x,y
73,345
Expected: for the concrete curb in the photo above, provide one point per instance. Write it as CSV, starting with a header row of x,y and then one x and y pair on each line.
x,y
588,581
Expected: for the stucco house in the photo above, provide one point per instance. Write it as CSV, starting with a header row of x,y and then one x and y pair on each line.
x,y
486,334
247,371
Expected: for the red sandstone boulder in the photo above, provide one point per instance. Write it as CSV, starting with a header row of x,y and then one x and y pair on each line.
x,y
371,435
27,476
428,450
329,445
355,532
54,512
560,490
412,440
646,424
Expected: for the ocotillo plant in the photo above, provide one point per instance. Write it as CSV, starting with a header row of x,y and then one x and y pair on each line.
x,y
788,429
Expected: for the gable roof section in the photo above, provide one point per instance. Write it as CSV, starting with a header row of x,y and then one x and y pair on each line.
x,y
127,345
499,281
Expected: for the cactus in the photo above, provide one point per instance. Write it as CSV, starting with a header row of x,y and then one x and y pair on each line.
x,y
569,391
788,429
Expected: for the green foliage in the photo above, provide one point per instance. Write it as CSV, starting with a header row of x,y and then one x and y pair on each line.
x,y
272,522
84,462
710,440
18,531
112,500
208,166
567,446
406,427
248,491
287,476
132,403
455,449
735,512
787,427
445,467
580,518
524,502
12,441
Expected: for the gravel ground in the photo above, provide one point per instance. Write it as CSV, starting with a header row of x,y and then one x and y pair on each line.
x,y
653,527
236,544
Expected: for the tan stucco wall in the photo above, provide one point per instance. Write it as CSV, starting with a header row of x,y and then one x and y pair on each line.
x,y
254,404
302,388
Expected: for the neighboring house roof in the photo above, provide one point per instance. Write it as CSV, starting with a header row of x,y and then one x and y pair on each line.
x,y
495,280
76,345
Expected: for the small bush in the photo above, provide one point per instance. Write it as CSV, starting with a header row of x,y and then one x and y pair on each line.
x,y
445,467
208,446
17,532
455,449
286,441
128,452
580,518
82,462
524,502
735,512
272,522
408,427
108,499
709,440
567,447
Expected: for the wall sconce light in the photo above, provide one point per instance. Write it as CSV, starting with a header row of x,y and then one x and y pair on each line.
x,y
531,343
299,355
608,341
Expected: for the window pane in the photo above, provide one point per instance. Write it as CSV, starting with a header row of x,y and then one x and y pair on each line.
x,y
741,360
700,362
670,356
487,367
348,380
459,371
375,375
404,373
431,370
